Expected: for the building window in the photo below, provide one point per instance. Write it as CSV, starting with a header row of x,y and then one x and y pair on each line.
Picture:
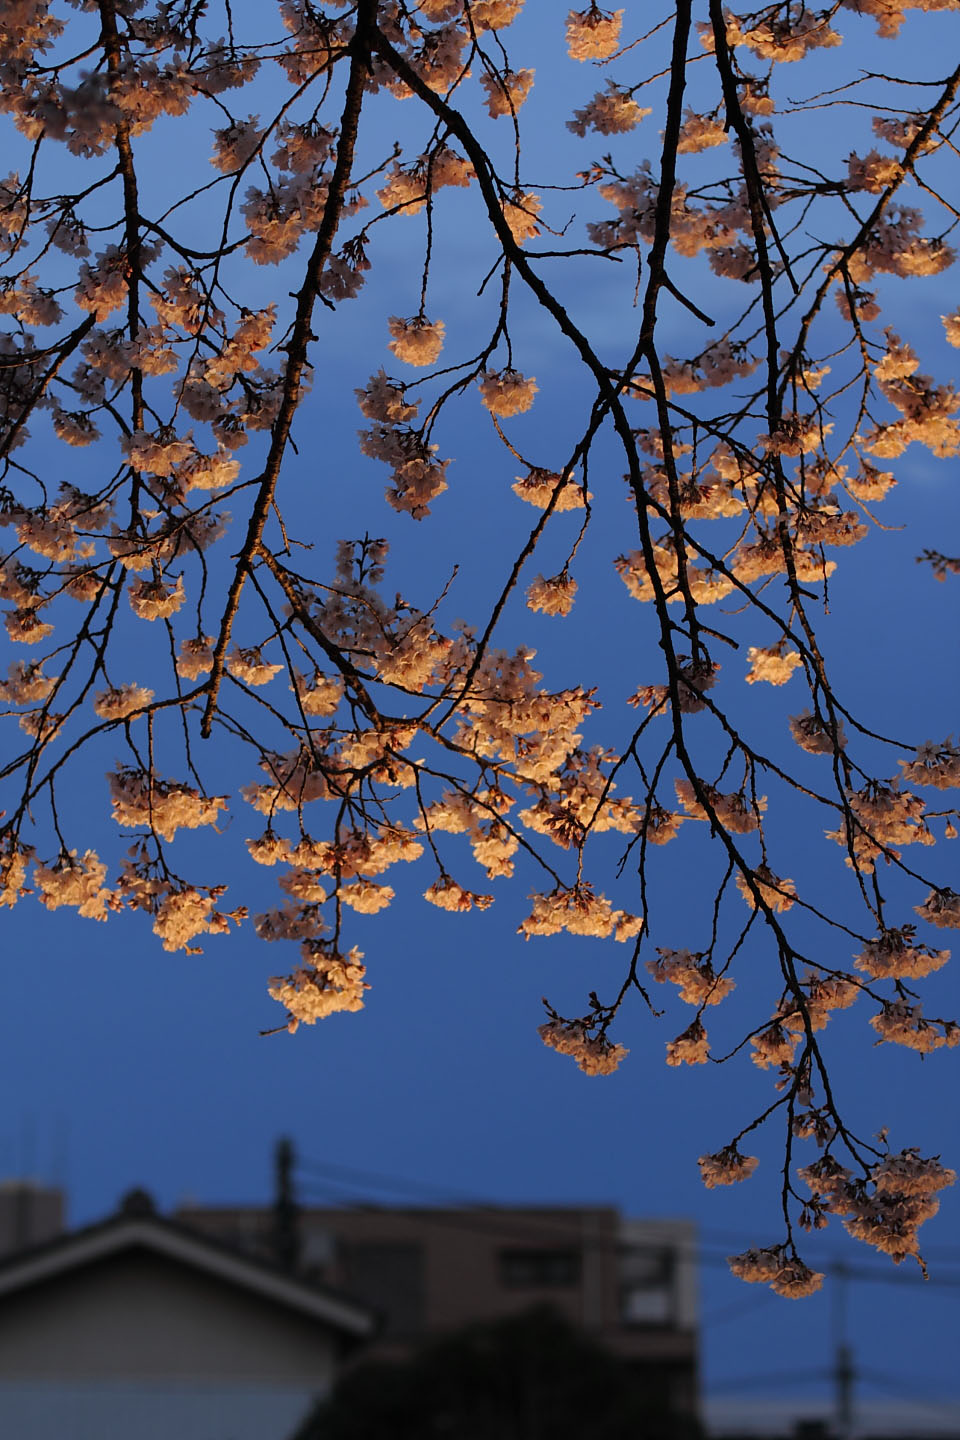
x,y
646,1296
532,1269
388,1277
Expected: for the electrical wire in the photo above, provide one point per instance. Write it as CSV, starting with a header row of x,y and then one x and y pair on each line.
x,y
339,1184
505,1221
378,1180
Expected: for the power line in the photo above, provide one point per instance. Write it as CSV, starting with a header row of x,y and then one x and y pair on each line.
x,y
916,1391
739,1307
759,1382
497,1220
494,1220
379,1180
486,1218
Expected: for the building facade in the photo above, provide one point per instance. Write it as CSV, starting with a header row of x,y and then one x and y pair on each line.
x,y
138,1327
427,1272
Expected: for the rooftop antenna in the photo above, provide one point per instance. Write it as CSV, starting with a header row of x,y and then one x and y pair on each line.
x,y
286,1213
844,1373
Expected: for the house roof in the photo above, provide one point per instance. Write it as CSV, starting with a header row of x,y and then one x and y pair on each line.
x,y
137,1227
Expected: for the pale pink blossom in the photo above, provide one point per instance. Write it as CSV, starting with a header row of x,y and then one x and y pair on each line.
x,y
896,955
121,701
757,1267
578,911
366,897
726,1167
941,908
235,145
778,894
904,1024
25,626
196,657
506,90
13,872
520,213
593,34
446,894
774,664
612,111
164,806
299,884
507,392
541,487
693,975
594,1054
795,1280
417,341
552,597
249,666
325,983
268,848
75,883
26,683
816,734
156,600
690,1047
935,765
494,14
700,132
320,694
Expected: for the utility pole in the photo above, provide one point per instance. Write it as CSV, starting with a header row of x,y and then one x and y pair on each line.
x,y
286,1213
843,1369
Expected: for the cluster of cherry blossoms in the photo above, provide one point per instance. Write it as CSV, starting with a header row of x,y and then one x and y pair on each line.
x,y
168,587
594,1054
325,983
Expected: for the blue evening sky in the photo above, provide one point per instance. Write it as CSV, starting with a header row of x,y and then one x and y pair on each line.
x,y
123,1065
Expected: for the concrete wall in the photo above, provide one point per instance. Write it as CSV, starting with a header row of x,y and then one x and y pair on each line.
x,y
29,1214
635,1291
139,1347
678,1238
462,1255
461,1280
141,1316
117,1411
457,1256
